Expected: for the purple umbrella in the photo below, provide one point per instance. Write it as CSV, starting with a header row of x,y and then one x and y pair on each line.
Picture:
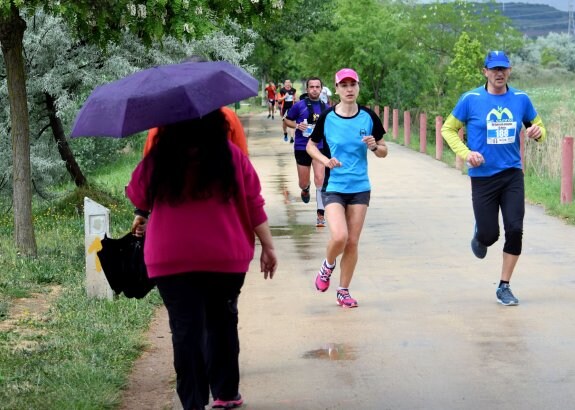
x,y
162,95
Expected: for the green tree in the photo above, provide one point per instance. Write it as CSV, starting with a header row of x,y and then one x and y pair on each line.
x,y
97,22
402,49
464,71
373,37
437,26
278,52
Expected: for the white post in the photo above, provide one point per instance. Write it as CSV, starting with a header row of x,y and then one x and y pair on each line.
x,y
96,224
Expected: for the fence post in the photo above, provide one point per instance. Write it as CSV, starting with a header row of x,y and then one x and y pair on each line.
x,y
376,110
438,138
423,132
567,170
395,123
458,159
386,118
406,128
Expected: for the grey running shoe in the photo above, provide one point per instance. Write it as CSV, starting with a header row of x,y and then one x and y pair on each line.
x,y
479,250
505,296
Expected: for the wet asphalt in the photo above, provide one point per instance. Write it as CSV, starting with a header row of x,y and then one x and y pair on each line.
x,y
428,332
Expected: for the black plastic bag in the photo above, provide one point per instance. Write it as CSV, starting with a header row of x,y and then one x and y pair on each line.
x,y
123,263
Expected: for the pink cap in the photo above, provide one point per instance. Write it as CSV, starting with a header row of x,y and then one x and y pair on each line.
x,y
345,73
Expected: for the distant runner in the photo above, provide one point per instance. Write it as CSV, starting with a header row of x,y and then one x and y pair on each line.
x,y
303,117
270,91
287,98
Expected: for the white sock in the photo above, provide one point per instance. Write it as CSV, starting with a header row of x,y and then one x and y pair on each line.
x,y
318,198
328,264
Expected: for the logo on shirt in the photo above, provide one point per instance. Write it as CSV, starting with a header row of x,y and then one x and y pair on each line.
x,y
501,129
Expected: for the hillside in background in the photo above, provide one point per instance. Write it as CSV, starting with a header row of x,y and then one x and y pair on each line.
x,y
536,20
532,19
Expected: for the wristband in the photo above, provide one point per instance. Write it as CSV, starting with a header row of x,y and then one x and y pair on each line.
x,y
374,149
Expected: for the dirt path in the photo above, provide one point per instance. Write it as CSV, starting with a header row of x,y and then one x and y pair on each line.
x,y
151,384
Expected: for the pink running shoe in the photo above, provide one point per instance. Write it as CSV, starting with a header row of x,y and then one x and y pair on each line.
x,y
345,300
322,278
228,404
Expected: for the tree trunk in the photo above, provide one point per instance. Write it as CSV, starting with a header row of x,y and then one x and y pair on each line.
x,y
63,147
12,28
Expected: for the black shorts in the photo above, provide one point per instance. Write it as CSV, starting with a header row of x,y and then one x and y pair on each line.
x,y
357,198
271,101
303,158
285,107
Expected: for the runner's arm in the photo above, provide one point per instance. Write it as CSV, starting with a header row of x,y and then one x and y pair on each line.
x,y
539,123
450,131
290,123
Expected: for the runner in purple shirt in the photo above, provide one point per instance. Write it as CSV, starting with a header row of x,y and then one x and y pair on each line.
x,y
303,116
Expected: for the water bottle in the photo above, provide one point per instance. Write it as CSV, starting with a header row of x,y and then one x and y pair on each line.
x,y
308,129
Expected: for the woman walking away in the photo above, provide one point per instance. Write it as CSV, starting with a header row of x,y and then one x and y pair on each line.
x,y
206,209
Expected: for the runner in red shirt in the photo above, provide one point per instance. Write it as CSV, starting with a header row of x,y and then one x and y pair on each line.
x,y
271,96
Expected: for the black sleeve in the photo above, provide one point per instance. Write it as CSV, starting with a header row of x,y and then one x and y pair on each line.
x,y
141,212
378,130
317,135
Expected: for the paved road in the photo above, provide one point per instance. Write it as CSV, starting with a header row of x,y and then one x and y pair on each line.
x,y
428,333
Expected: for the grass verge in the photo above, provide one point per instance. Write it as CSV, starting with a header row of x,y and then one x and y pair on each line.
x,y
60,349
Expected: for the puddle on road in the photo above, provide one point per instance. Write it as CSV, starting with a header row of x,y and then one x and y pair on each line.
x,y
293,231
332,351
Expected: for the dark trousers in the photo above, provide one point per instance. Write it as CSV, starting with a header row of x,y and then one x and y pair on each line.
x,y
203,312
504,190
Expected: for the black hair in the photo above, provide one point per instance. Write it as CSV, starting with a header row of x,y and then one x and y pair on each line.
x,y
192,160
314,79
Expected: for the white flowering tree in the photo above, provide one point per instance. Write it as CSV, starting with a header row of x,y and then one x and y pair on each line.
x,y
62,71
98,23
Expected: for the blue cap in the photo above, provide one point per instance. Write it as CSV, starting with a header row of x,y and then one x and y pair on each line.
x,y
497,59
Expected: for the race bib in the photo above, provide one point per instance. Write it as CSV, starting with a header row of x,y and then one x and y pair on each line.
x,y
501,132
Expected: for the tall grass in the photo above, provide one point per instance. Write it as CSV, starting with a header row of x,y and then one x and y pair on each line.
x,y
555,103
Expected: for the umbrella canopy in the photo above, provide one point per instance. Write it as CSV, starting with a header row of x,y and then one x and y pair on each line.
x,y
162,95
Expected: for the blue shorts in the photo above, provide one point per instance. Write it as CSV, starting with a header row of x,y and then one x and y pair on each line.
x,y
357,198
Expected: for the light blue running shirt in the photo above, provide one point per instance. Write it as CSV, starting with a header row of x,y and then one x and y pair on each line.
x,y
493,124
343,139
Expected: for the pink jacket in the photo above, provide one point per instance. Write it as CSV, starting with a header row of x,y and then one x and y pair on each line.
x,y
201,235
